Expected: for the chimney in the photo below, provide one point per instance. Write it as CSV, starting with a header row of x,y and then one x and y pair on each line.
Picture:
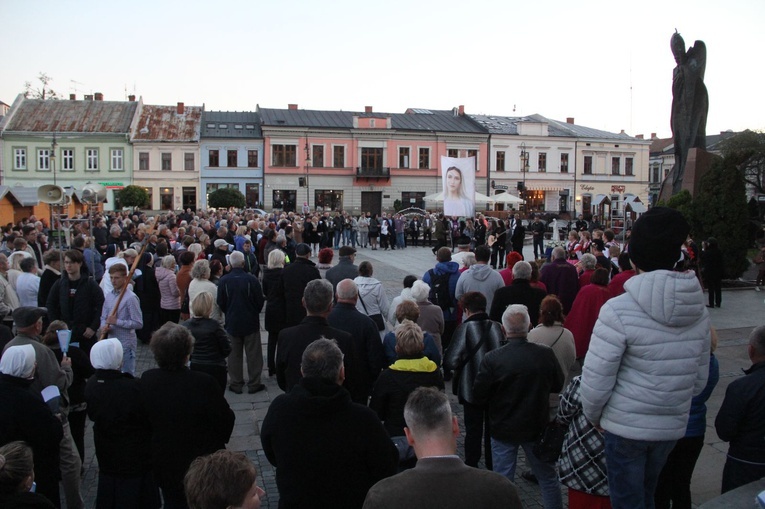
x,y
131,98
622,132
639,136
462,110
569,120
367,109
88,97
292,106
653,136
179,110
72,97
99,96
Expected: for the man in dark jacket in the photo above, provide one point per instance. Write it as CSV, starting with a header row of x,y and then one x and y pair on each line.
x,y
537,228
561,278
77,300
295,277
294,340
366,338
516,381
328,451
477,336
520,291
741,420
345,268
240,297
445,266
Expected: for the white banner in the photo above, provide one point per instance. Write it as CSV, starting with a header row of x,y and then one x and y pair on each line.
x,y
459,186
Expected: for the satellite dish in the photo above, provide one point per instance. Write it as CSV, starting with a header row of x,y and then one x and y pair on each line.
x,y
51,194
93,194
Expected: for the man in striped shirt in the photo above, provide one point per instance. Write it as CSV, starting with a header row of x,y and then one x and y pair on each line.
x,y
128,318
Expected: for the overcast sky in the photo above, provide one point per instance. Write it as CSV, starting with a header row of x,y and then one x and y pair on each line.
x,y
606,63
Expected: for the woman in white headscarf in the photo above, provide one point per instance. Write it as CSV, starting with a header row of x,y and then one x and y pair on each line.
x,y
26,417
121,432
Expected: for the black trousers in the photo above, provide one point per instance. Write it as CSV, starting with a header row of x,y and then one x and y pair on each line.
x,y
426,234
476,429
737,474
714,288
674,487
439,244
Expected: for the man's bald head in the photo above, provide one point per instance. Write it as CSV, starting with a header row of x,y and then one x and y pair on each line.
x,y
347,291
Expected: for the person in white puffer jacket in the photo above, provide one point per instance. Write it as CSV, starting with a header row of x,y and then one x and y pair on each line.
x,y
648,356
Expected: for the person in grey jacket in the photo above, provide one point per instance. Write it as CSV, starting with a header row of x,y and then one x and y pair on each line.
x,y
480,277
472,340
648,356
345,268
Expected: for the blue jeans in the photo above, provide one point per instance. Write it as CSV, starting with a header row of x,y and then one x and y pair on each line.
x,y
346,237
504,455
400,241
128,359
633,470
338,235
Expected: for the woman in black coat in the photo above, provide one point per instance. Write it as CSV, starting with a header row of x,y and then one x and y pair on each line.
x,y
712,268
146,289
410,371
211,343
121,432
275,319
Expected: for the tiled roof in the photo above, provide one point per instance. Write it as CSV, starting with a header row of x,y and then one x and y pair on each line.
x,y
659,145
415,119
163,123
36,115
231,124
714,141
496,124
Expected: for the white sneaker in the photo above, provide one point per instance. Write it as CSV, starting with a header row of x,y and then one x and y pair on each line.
x,y
757,289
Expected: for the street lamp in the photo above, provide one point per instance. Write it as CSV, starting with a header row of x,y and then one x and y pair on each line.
x,y
305,181
524,169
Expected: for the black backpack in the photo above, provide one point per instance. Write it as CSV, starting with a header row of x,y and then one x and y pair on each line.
x,y
439,290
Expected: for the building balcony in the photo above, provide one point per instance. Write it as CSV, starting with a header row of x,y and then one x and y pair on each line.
x,y
372,173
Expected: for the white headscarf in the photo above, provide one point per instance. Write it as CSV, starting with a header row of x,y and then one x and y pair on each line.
x,y
19,361
106,354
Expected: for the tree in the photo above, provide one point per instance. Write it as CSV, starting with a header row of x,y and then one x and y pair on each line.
x,y
683,203
746,151
225,198
44,92
720,211
134,196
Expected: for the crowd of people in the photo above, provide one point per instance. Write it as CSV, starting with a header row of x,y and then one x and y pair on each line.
x,y
574,341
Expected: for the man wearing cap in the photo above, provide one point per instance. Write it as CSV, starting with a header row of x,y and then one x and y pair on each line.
x,y
345,268
463,250
648,356
29,326
221,254
294,279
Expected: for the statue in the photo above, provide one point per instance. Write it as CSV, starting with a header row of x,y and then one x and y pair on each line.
x,y
690,103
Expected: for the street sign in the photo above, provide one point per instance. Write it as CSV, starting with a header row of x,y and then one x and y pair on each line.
x,y
500,187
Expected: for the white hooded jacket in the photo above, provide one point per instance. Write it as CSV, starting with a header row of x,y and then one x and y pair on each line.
x,y
648,356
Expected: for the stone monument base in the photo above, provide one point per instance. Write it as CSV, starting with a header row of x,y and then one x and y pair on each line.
x,y
698,164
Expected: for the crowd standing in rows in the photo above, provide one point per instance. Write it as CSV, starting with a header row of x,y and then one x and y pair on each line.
x,y
575,342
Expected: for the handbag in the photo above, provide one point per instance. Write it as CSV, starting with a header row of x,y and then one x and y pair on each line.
x,y
548,446
376,318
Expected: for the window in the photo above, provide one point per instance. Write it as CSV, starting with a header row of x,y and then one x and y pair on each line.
x,y
453,152
500,164
167,161
188,161
166,198
231,159
588,165
564,163
143,161
43,159
403,157
338,156
371,158
252,158
214,158
252,195
542,161
655,178
413,199
615,164
19,159
284,155
92,159
318,156
118,156
424,158
628,166
474,153
67,159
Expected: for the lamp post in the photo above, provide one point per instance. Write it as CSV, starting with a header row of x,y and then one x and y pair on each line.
x,y
524,169
307,161
53,146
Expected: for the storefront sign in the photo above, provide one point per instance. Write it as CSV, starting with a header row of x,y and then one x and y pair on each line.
x,y
586,187
112,185
501,187
618,189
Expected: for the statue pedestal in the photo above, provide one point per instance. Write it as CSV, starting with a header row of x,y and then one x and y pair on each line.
x,y
698,164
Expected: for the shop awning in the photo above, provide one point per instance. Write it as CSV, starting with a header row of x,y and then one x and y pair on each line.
x,y
600,199
636,206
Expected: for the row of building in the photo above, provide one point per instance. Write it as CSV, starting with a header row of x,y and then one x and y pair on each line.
x,y
283,158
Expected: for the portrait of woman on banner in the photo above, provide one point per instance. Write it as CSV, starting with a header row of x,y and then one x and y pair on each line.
x,y
458,192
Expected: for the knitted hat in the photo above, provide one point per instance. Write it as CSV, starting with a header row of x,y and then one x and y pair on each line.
x,y
657,237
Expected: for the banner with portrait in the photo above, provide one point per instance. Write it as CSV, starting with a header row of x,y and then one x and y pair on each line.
x,y
458,176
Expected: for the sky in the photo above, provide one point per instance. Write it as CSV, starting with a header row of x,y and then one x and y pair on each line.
x,y
608,64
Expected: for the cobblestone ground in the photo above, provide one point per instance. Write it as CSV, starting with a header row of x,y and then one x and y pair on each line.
x,y
390,267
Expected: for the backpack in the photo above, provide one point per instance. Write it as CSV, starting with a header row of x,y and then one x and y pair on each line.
x,y
439,290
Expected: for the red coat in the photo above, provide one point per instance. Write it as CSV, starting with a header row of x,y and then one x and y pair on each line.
x,y
616,286
583,315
